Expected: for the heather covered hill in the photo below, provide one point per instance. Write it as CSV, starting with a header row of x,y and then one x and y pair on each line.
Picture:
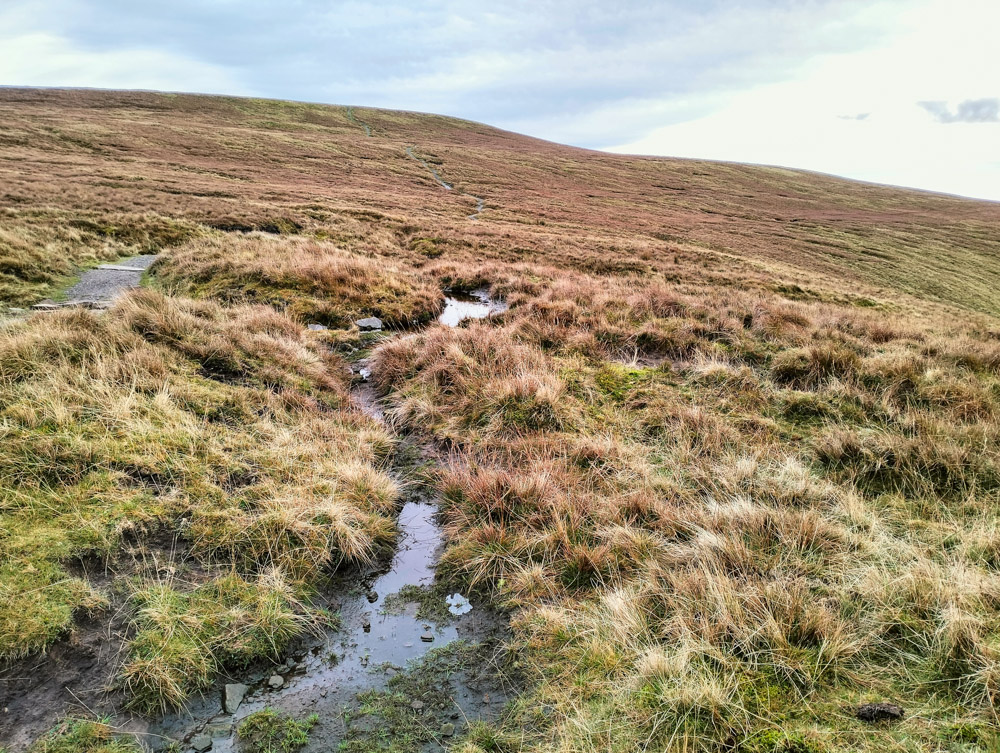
x,y
718,468
238,164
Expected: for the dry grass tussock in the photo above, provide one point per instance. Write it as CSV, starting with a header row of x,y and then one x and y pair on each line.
x,y
793,514
228,431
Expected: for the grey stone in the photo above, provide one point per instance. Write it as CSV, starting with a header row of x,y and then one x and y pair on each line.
x,y
369,323
201,743
427,637
447,729
317,327
219,729
417,705
234,696
372,597
275,681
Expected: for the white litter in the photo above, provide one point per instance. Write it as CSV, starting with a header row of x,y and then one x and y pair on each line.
x,y
458,604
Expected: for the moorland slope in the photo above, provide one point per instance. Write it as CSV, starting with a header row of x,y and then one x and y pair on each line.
x,y
729,461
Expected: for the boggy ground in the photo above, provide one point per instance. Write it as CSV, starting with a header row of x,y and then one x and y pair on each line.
x,y
729,459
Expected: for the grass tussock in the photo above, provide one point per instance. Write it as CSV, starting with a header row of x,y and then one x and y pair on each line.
x,y
84,736
309,279
729,548
227,431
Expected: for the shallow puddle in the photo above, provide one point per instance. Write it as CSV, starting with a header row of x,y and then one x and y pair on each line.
x,y
370,646
475,305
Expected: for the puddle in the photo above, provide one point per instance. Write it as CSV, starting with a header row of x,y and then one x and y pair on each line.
x,y
475,305
369,648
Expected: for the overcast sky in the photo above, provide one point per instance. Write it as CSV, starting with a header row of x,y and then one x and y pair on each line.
x,y
896,91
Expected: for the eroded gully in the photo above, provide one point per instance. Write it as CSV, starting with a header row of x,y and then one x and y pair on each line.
x,y
379,636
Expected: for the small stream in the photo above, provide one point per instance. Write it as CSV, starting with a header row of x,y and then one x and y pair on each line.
x,y
373,643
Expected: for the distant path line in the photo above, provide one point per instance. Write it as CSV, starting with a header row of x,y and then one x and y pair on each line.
x,y
480,204
350,117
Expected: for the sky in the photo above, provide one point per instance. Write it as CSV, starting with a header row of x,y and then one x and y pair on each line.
x,y
905,92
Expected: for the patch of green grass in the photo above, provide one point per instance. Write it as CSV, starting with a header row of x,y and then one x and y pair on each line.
x,y
397,726
183,638
430,601
82,736
271,731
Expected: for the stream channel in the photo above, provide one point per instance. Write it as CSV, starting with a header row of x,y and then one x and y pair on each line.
x,y
375,641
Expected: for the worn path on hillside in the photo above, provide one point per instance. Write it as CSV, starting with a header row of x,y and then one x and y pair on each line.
x,y
480,204
100,287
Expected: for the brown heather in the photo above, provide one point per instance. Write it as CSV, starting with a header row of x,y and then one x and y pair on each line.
x,y
731,459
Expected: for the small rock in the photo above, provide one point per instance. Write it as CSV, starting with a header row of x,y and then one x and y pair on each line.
x,y
369,324
447,729
427,637
323,693
234,696
417,705
275,681
372,597
219,729
317,327
201,743
879,712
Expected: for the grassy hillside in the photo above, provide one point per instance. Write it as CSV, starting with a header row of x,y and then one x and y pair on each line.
x,y
730,459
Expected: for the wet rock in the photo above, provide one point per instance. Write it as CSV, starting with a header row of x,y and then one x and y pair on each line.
x,y
219,729
233,696
275,681
879,712
317,327
201,743
369,324
372,597
447,729
427,637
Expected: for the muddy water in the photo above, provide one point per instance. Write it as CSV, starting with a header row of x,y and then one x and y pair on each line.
x,y
475,305
372,644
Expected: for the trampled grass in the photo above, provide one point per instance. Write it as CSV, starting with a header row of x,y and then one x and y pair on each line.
x,y
730,458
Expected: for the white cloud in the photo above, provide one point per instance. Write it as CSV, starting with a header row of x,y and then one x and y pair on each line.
x,y
943,51
41,59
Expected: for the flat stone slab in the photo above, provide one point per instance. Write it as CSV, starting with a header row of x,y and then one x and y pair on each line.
x,y
369,323
234,696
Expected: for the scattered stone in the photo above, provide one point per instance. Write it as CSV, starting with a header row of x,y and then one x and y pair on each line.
x,y
372,597
879,712
366,623
201,743
317,327
417,705
369,324
233,697
275,681
427,637
447,729
323,693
